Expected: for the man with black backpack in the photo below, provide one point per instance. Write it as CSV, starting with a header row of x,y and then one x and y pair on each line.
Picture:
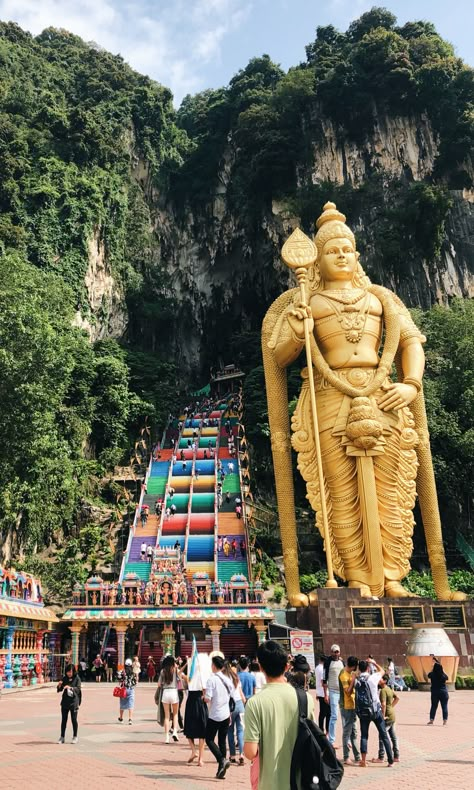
x,y
368,708
271,720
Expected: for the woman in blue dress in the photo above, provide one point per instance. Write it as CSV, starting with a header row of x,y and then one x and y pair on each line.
x,y
128,681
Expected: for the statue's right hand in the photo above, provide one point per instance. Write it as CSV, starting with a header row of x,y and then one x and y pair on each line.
x,y
296,318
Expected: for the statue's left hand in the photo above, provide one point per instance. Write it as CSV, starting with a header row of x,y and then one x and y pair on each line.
x,y
397,396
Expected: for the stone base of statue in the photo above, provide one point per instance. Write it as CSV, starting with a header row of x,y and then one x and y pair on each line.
x,y
385,627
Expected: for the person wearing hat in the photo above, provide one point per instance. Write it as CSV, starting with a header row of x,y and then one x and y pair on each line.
x,y
128,681
298,676
332,669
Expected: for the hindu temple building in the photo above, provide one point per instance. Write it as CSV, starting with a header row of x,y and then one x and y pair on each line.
x,y
186,570
27,631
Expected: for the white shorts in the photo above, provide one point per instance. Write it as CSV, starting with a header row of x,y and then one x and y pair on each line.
x,y
170,696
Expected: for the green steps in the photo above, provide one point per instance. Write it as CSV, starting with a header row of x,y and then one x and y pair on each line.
x,y
202,503
142,569
231,483
156,485
227,568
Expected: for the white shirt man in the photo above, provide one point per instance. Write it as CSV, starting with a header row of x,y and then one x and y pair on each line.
x,y
217,695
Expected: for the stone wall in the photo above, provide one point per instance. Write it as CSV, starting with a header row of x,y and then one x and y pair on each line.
x,y
331,622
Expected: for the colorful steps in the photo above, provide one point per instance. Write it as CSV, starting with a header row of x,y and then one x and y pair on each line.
x,y
202,503
180,501
229,524
227,569
200,548
202,524
142,569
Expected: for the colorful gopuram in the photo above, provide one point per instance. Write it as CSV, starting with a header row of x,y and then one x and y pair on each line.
x,y
26,631
186,570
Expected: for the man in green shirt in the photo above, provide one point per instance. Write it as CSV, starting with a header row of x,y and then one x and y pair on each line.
x,y
388,700
271,720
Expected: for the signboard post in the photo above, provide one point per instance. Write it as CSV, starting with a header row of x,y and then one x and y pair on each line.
x,y
301,642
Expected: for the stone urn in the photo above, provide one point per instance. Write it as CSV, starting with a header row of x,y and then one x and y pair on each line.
x,y
428,640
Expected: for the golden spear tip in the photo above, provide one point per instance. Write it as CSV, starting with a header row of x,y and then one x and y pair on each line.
x,y
298,250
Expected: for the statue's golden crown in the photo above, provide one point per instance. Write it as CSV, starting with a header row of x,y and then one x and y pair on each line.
x,y
331,225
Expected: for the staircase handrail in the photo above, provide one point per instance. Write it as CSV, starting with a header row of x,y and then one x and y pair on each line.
x,y
216,509
174,453
191,491
244,512
131,533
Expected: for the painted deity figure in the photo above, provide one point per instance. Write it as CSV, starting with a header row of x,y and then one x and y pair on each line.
x,y
372,430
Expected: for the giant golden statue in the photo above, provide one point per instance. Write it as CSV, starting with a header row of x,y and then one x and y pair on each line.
x,y
360,437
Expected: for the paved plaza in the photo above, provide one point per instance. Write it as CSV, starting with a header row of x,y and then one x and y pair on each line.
x,y
110,754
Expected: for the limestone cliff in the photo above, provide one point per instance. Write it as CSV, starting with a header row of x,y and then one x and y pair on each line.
x,y
106,313
223,275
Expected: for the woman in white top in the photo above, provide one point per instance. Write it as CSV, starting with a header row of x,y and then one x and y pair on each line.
x,y
168,682
136,668
236,725
260,680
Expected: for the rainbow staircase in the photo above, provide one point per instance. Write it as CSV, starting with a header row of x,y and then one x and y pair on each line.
x,y
155,487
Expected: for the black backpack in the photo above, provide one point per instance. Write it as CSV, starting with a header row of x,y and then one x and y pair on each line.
x,y
364,703
313,755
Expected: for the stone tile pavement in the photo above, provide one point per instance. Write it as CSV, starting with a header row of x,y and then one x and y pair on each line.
x,y
122,756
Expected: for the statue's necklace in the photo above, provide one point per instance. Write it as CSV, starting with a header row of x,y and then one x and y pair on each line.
x,y
343,296
351,319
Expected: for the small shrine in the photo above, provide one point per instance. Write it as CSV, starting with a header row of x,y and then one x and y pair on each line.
x,y
26,631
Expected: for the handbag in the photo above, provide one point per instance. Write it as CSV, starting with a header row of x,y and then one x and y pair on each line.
x,y
120,691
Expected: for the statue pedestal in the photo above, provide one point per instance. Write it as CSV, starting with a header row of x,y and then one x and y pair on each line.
x,y
382,627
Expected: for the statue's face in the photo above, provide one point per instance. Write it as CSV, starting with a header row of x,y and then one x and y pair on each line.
x,y
338,261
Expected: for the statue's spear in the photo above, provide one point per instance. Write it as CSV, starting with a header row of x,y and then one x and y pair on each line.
x,y
299,253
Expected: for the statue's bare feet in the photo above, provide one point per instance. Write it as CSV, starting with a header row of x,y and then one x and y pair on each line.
x,y
298,599
364,589
396,590
313,598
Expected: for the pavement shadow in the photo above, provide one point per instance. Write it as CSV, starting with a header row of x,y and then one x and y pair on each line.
x,y
455,762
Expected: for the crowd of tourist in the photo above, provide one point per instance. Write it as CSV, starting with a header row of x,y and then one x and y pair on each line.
x,y
248,709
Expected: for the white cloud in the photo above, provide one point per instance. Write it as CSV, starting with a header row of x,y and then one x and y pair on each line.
x,y
170,40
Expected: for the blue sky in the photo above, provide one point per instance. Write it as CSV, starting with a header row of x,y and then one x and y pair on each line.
x,y
190,45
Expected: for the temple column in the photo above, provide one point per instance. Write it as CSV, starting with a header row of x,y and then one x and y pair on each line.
x,y
75,632
215,629
120,629
8,658
260,628
39,657
83,643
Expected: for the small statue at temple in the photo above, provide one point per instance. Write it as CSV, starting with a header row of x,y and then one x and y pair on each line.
x,y
174,595
112,595
138,598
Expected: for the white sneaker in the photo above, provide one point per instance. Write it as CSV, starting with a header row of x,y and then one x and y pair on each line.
x,y
175,735
167,738
74,740
61,740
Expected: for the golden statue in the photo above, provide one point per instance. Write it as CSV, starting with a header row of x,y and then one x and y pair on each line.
x,y
360,436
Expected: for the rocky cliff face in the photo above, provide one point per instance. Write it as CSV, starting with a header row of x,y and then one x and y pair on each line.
x,y
106,313
399,147
223,276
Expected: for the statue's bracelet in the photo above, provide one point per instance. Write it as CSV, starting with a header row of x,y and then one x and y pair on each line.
x,y
414,382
